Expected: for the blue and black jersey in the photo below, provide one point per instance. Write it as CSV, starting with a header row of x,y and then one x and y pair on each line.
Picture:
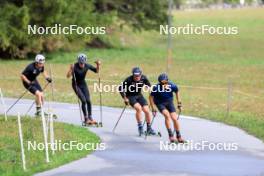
x,y
162,94
130,87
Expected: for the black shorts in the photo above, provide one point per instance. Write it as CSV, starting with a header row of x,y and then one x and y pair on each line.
x,y
169,105
32,88
137,99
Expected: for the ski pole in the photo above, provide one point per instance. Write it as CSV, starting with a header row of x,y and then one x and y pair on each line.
x,y
179,115
29,109
52,83
178,119
76,87
21,96
119,118
146,134
100,98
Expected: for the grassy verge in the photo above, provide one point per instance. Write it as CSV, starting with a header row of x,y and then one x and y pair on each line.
x,y
10,156
202,66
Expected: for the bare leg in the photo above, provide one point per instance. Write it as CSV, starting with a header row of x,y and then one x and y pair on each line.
x,y
147,113
175,121
138,109
166,114
176,126
39,98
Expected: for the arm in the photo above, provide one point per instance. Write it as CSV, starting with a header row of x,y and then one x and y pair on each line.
x,y
151,102
178,98
152,106
24,79
69,73
123,94
122,91
46,76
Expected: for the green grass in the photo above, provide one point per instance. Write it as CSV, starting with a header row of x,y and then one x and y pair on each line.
x,y
198,61
10,156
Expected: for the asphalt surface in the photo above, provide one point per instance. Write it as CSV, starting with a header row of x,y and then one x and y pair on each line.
x,y
128,154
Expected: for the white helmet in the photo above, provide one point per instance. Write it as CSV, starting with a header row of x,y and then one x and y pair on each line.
x,y
40,59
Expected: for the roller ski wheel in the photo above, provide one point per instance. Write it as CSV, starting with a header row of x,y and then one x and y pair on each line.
x,y
55,116
173,140
90,123
100,124
181,141
176,141
158,134
38,115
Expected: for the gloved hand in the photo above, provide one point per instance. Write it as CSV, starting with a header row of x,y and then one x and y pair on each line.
x,y
126,101
49,80
154,112
179,106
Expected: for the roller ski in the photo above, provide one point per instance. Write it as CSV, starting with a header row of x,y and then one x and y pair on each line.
x,y
46,115
151,132
177,140
38,114
90,123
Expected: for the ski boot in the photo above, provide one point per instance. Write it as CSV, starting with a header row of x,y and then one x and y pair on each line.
x,y
172,139
150,132
90,122
180,140
38,114
140,130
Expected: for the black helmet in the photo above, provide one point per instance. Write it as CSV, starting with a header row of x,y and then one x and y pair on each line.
x,y
163,77
136,71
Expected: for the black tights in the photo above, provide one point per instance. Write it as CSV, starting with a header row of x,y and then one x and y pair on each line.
x,y
83,93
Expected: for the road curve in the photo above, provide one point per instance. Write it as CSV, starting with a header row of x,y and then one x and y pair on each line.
x,y
127,154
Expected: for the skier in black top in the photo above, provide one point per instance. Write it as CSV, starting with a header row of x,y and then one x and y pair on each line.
x,y
30,82
78,72
130,91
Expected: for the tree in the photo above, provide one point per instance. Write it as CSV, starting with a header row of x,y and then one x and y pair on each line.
x,y
16,15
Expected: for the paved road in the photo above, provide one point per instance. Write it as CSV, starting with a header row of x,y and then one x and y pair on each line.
x,y
127,154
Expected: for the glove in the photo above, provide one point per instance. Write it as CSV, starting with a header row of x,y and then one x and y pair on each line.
x,y
49,80
126,101
180,106
154,112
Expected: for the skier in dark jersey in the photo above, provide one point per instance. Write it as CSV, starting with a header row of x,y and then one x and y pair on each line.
x,y
30,82
162,96
130,91
78,73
